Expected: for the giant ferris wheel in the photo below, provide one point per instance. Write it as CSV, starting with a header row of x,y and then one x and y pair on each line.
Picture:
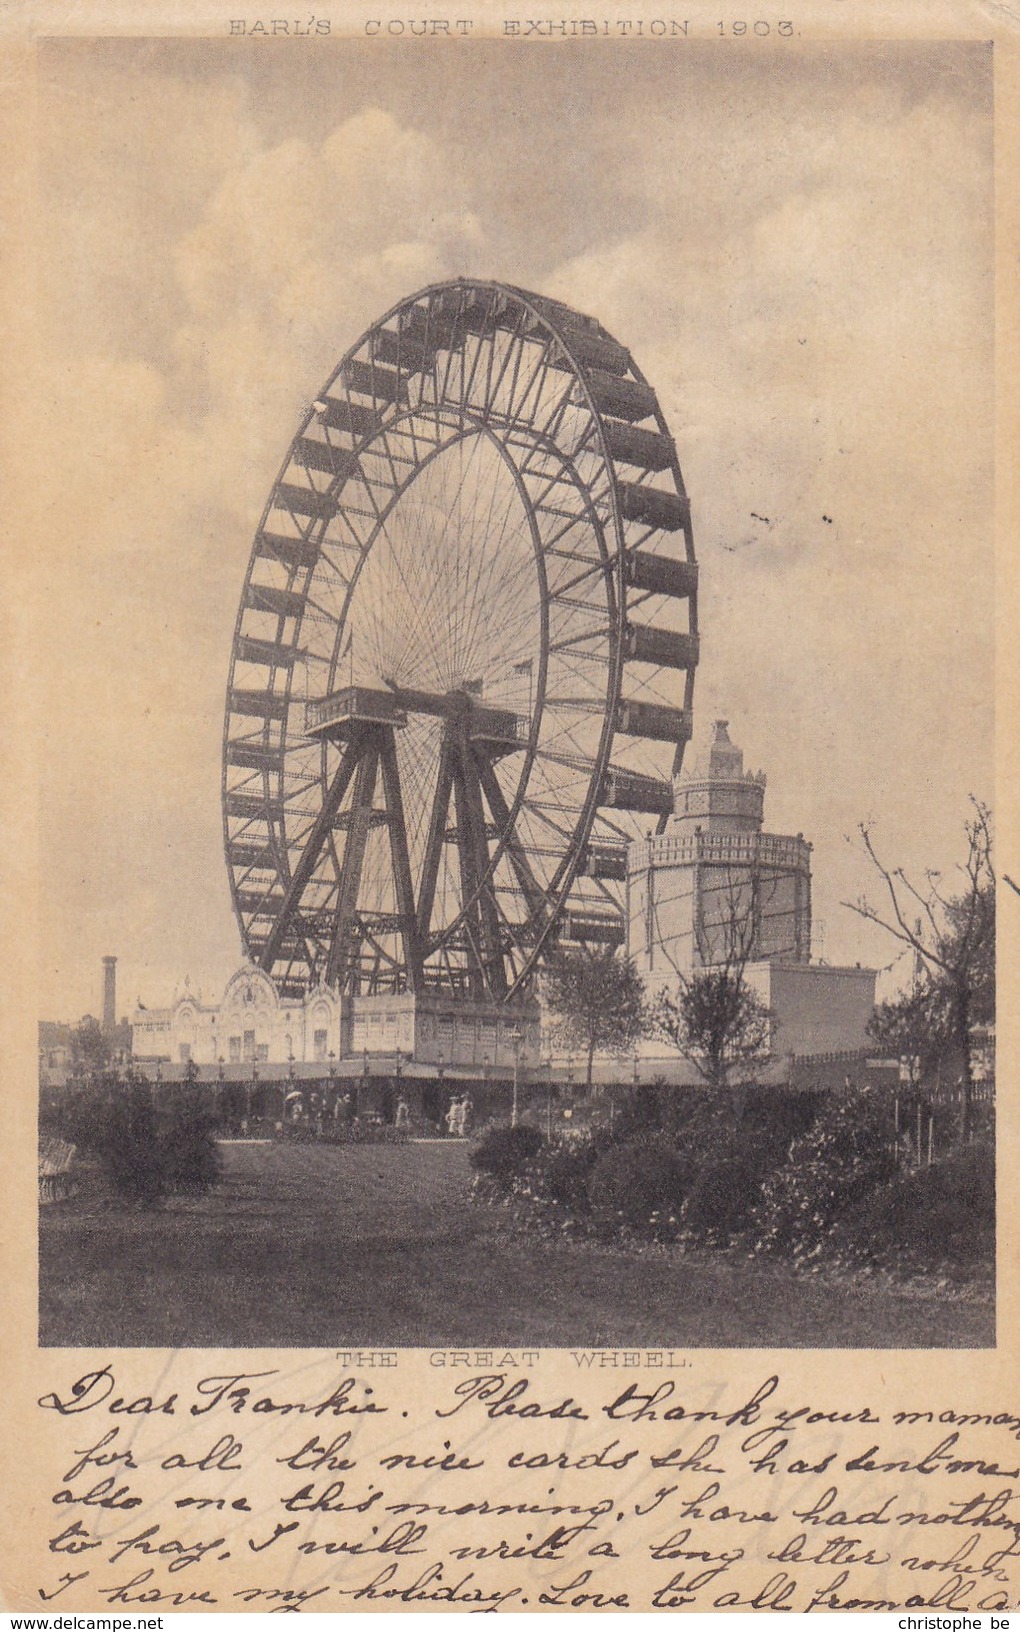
x,y
463,663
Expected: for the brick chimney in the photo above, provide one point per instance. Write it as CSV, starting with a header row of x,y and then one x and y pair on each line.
x,y
109,994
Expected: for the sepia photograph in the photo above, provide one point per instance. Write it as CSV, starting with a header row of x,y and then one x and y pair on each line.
x,y
515,694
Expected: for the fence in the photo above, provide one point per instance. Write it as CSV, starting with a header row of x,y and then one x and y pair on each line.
x,y
55,1180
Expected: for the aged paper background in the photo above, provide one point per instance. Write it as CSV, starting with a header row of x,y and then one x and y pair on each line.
x,y
67,721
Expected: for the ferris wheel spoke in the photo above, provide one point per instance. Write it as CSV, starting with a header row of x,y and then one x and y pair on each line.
x,y
419,609
509,563
382,953
445,545
417,753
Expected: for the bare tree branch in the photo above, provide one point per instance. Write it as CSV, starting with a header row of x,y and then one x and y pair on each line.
x,y
954,941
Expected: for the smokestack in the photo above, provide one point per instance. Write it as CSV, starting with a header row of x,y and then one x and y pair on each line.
x,y
109,994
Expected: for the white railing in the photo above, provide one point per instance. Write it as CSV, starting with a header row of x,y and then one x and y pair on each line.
x,y
731,848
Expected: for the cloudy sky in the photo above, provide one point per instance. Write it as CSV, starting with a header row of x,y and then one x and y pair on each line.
x,y
795,241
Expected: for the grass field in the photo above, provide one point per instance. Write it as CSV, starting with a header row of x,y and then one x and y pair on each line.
x,y
324,1246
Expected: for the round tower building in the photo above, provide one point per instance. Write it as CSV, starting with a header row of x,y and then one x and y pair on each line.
x,y
713,888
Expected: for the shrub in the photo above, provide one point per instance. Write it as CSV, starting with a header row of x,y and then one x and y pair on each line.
x,y
129,1148
187,1149
560,1170
642,1184
724,1145
146,1154
503,1151
687,1163
842,1158
764,1119
722,1196
930,1217
82,1113
642,1110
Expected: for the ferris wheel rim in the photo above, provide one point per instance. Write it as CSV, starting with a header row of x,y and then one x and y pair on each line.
x,y
612,544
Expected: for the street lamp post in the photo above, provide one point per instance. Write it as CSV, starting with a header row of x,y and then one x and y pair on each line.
x,y
362,1099
514,1034
548,1094
249,1094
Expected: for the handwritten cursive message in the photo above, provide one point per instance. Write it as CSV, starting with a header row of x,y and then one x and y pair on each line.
x,y
477,1481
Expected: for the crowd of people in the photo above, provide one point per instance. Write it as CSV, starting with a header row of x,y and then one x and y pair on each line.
x,y
303,1107
457,1118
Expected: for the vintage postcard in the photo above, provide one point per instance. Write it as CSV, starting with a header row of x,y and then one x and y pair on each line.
x,y
511,810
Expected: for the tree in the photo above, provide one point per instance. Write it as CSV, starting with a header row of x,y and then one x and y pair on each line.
x,y
714,1018
90,1047
597,999
717,1022
912,1026
952,935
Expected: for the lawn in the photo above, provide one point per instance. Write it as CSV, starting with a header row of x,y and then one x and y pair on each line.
x,y
337,1247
